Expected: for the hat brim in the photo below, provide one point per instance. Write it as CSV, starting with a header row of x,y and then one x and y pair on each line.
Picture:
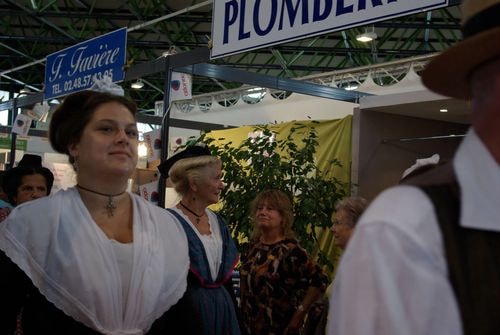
x,y
448,74
189,152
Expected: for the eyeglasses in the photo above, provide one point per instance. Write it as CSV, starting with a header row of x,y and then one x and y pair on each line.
x,y
337,223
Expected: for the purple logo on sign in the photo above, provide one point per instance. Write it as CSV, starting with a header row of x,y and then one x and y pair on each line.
x,y
176,84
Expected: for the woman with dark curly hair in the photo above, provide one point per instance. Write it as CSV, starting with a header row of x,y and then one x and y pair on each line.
x,y
28,181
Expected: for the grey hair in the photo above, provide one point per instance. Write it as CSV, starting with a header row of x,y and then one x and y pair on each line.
x,y
191,169
353,206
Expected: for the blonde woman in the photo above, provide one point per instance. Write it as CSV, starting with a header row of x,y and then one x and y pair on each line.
x,y
196,176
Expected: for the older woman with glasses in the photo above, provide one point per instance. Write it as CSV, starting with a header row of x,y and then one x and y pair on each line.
x,y
344,219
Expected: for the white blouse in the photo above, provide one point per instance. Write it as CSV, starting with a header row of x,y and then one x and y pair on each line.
x,y
212,242
124,253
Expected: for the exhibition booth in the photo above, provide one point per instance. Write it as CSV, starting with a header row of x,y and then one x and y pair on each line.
x,y
375,131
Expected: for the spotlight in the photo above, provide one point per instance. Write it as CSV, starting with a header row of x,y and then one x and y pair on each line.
x,y
171,51
137,84
24,90
366,36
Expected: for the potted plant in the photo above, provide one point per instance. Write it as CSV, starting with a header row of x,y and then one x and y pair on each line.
x,y
267,160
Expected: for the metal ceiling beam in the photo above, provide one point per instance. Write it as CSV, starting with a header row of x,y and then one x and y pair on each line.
x,y
37,18
159,45
298,58
179,123
260,80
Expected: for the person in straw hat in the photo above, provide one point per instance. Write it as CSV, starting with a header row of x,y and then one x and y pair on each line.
x,y
425,256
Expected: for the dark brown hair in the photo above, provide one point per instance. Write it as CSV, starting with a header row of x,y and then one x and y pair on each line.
x,y
14,177
71,117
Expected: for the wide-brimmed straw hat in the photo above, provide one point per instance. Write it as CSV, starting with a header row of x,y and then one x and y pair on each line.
x,y
448,74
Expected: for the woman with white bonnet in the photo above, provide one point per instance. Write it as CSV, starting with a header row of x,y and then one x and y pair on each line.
x,y
92,259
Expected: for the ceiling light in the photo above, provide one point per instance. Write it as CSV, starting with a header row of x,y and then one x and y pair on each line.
x,y
137,84
24,90
366,36
171,51
443,110
351,88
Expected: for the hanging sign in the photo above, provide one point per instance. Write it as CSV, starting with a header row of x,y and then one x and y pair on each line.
x,y
243,25
6,143
180,86
21,125
74,69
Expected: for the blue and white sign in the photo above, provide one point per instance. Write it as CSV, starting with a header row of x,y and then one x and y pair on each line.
x,y
243,25
74,68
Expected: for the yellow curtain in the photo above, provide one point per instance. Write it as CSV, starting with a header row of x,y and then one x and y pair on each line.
x,y
334,138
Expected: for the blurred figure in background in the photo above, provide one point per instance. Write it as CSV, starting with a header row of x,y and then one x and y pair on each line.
x,y
28,181
5,205
344,219
4,200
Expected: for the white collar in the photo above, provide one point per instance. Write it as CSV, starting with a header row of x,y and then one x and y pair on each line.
x,y
69,259
478,175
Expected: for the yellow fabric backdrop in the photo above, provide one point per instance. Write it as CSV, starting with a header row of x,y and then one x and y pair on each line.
x,y
334,138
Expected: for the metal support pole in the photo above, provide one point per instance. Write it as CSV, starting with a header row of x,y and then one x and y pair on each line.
x,y
165,129
13,138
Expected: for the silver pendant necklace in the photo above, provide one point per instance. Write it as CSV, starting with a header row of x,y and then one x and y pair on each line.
x,y
198,217
110,206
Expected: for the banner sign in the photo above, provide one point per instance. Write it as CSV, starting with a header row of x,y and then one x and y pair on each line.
x,y
153,144
243,25
149,192
74,69
180,86
6,143
21,125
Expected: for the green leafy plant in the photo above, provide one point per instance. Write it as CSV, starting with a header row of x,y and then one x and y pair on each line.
x,y
279,161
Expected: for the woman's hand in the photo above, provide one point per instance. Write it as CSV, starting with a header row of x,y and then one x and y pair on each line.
x,y
296,323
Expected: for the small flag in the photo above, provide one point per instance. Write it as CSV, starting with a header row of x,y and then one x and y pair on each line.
x,y
180,86
22,125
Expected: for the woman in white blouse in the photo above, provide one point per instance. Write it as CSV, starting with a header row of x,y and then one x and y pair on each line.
x,y
92,259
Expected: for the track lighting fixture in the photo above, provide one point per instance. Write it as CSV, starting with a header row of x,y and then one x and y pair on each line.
x,y
137,84
367,36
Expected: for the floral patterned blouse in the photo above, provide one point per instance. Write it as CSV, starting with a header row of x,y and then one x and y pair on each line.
x,y
275,278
